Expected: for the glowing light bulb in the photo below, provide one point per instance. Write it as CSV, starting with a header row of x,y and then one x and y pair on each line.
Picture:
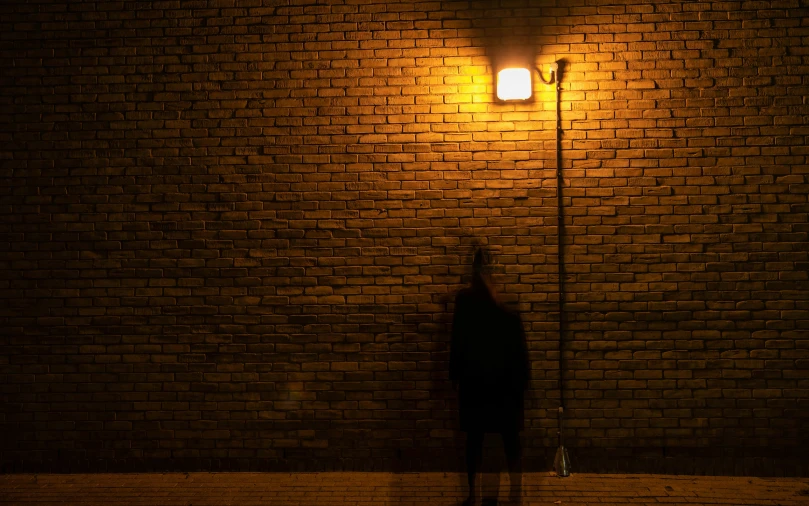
x,y
514,84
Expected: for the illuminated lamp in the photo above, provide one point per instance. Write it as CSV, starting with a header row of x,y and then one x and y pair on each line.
x,y
514,83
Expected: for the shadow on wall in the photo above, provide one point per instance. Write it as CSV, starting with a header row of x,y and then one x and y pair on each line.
x,y
507,33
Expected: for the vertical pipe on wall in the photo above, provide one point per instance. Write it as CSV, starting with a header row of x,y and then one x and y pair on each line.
x,y
554,80
561,461
560,233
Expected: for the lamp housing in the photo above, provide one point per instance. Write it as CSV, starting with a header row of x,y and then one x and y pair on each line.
x,y
514,84
514,74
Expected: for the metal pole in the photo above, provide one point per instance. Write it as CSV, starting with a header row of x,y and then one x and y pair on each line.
x,y
560,238
561,462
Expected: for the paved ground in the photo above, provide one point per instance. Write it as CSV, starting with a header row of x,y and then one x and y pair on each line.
x,y
198,489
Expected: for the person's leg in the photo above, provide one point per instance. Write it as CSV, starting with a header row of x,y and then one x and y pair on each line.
x,y
474,449
511,444
512,447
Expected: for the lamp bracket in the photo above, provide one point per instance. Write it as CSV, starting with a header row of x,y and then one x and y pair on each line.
x,y
554,73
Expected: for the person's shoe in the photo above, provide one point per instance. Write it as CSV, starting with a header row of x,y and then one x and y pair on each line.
x,y
489,501
469,501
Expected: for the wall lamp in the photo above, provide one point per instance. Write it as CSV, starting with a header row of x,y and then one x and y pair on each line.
x,y
514,84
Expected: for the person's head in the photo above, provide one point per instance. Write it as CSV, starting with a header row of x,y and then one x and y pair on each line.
x,y
481,270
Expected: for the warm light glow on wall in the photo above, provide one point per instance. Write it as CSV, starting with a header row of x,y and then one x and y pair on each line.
x,y
514,84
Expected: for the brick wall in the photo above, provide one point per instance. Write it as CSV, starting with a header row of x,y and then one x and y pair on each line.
x,y
232,230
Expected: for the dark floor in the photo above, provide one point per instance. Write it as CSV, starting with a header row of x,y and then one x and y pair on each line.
x,y
197,489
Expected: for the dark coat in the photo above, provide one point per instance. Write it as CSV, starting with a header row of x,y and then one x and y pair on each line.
x,y
489,360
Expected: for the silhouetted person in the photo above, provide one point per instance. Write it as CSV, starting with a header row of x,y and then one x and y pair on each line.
x,y
489,366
